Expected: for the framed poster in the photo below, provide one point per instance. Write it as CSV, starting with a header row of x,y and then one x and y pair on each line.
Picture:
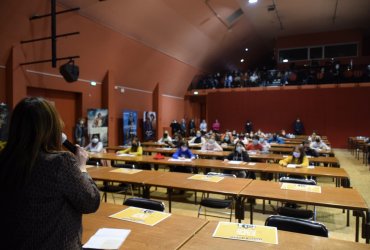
x,y
149,126
129,125
97,124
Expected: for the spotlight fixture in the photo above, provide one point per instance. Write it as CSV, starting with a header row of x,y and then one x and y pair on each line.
x,y
120,88
69,71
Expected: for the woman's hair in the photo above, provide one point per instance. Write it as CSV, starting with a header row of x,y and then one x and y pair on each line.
x,y
300,149
135,140
183,143
35,127
240,143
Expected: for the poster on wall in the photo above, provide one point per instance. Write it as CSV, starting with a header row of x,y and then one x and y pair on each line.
x,y
4,120
129,125
97,124
149,126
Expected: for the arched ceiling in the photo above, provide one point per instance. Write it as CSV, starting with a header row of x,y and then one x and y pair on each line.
x,y
204,34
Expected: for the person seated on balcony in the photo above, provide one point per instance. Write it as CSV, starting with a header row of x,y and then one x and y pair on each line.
x,y
197,139
211,145
298,158
275,138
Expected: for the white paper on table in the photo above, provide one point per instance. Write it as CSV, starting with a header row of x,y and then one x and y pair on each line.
x,y
107,238
172,159
235,162
293,166
125,155
251,163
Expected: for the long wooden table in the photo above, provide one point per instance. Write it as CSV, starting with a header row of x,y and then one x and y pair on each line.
x,y
170,233
221,165
343,198
287,241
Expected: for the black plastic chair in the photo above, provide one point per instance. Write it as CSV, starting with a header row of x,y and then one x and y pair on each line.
x,y
297,225
216,204
114,188
145,203
291,209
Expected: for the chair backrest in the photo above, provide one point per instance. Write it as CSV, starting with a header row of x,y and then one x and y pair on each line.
x,y
297,225
145,203
221,174
298,181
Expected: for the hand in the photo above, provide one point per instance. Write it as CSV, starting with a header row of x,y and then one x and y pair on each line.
x,y
82,157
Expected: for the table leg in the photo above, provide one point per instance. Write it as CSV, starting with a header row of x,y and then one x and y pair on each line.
x,y
251,207
169,191
357,226
239,209
146,192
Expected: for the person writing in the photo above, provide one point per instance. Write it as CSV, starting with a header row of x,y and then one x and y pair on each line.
x,y
46,189
298,158
239,154
135,149
183,152
211,145
166,138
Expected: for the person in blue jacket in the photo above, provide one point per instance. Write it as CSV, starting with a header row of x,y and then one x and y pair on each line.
x,y
183,152
276,139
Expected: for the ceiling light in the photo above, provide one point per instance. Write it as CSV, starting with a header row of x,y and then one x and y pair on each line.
x,y
252,1
92,83
241,60
196,92
285,60
246,49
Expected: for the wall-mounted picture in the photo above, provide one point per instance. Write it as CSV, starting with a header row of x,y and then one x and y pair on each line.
x,y
97,124
149,126
129,126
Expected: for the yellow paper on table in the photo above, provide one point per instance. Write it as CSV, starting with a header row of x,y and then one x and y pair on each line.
x,y
238,231
301,187
210,178
126,170
141,216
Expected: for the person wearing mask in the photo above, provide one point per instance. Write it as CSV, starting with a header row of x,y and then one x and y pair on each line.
x,y
248,127
175,127
255,144
203,127
166,138
242,137
298,158
135,148
298,127
265,145
276,139
211,145
216,126
183,152
95,145
198,139
46,189
239,154
80,132
319,145
183,127
227,139
309,151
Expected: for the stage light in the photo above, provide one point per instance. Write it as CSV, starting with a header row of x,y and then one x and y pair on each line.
x,y
69,71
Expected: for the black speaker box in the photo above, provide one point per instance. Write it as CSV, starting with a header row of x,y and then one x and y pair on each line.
x,y
70,72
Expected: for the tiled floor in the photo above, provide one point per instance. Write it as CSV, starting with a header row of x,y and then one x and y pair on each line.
x,y
334,219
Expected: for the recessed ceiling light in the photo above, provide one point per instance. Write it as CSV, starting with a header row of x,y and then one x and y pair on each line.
x,y
285,60
252,1
246,49
242,60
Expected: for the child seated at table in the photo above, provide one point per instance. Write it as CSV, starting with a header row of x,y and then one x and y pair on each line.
x,y
239,154
211,145
298,158
183,152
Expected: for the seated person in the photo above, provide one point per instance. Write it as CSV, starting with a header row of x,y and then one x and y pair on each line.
x,y
135,148
176,140
198,139
309,151
276,139
211,145
227,139
298,157
265,145
183,152
283,133
260,133
313,136
255,145
241,138
95,146
239,154
166,138
318,144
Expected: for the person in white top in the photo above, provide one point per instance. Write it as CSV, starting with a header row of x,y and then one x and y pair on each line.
x,y
265,145
241,138
318,144
166,138
95,145
211,145
203,127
